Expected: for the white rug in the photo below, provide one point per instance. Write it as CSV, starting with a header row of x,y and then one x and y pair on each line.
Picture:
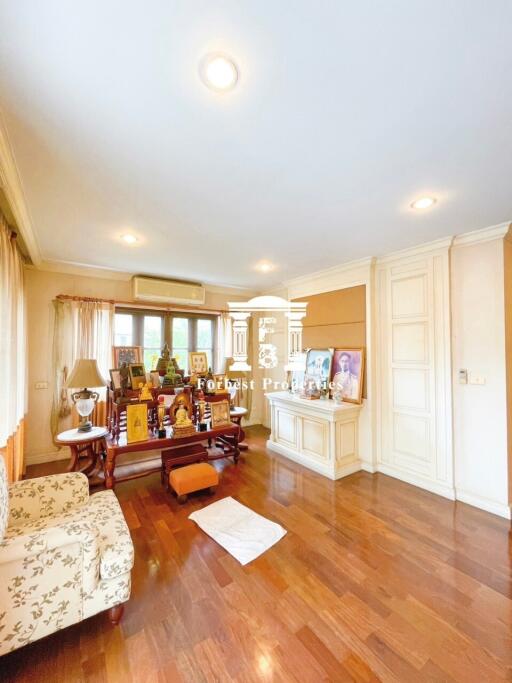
x,y
242,532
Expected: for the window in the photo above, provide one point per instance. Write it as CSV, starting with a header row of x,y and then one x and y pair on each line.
x,y
123,327
152,340
180,341
150,330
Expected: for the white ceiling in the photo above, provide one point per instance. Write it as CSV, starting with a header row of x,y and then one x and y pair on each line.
x,y
344,113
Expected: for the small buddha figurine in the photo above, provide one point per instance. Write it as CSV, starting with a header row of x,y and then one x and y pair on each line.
x,y
163,362
171,378
182,418
144,392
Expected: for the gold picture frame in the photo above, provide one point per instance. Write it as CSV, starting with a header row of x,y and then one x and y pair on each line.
x,y
126,354
198,362
220,414
137,374
348,362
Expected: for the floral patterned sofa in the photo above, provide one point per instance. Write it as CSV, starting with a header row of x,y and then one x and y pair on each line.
x,y
64,556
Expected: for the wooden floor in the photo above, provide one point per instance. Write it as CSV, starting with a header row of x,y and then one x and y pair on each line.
x,y
375,581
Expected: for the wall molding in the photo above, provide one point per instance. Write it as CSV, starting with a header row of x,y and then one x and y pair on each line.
x,y
485,504
10,181
84,270
493,232
350,274
439,489
420,250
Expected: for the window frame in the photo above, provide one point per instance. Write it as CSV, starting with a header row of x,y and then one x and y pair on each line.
x,y
166,329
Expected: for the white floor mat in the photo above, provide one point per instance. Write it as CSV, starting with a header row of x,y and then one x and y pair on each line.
x,y
242,532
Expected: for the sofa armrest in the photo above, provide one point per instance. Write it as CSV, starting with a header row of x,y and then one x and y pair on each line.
x,y
33,499
28,548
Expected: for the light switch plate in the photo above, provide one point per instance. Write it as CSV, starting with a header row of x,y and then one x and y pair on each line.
x,y
41,385
476,379
463,376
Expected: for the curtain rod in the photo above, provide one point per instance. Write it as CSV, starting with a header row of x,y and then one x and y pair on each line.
x,y
137,305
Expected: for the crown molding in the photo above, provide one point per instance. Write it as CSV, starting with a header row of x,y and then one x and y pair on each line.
x,y
342,269
84,270
81,269
493,232
10,181
442,244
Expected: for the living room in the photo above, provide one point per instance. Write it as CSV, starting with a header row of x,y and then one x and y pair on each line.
x,y
256,346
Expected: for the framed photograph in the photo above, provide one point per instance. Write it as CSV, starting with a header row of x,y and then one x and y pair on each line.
x,y
220,414
115,378
318,368
137,374
126,354
347,374
198,362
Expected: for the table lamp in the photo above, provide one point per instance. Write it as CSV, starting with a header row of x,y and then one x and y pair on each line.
x,y
85,374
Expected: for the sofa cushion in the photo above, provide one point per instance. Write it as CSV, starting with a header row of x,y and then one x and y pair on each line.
x,y
4,498
116,547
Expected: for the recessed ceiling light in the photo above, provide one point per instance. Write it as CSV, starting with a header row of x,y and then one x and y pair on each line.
x,y
218,72
129,239
424,203
265,267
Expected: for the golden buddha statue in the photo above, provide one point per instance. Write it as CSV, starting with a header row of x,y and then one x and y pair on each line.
x,y
183,425
144,392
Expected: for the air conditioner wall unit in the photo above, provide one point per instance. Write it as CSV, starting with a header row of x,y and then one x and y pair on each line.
x,y
167,291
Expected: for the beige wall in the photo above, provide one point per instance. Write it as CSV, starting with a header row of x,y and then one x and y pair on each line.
x,y
42,287
478,345
507,265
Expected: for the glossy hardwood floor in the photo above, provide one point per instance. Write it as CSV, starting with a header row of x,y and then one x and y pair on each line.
x,y
375,581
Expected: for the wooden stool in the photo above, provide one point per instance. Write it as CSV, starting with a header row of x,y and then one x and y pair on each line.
x,y
185,480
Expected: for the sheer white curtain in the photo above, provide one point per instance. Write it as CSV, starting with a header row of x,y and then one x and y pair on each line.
x,y
84,328
13,352
224,342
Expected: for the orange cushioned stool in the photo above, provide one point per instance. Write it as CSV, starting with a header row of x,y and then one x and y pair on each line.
x,y
191,478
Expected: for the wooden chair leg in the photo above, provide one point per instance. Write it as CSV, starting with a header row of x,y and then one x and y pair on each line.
x,y
182,498
115,614
212,489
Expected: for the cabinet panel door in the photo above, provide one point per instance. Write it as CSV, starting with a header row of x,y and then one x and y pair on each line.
x,y
314,438
286,428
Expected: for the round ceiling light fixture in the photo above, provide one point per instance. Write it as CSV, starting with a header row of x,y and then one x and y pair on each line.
x,y
423,203
129,239
218,72
265,266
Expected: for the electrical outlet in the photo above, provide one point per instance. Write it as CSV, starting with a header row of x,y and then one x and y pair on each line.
x,y
41,385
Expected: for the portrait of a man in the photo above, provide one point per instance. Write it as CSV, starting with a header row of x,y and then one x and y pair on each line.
x,y
347,371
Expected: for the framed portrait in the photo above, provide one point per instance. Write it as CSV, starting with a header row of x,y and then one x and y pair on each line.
x,y
198,362
137,374
347,374
126,354
318,368
115,378
220,414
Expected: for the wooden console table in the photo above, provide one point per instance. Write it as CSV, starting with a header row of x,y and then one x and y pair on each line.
x,y
227,435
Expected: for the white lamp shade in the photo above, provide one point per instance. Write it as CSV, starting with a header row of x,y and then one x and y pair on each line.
x,y
85,374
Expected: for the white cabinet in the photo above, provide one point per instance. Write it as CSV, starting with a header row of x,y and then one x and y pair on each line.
x,y
317,434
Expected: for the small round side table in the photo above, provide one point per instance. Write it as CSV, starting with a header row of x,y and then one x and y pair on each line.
x,y
236,414
83,445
